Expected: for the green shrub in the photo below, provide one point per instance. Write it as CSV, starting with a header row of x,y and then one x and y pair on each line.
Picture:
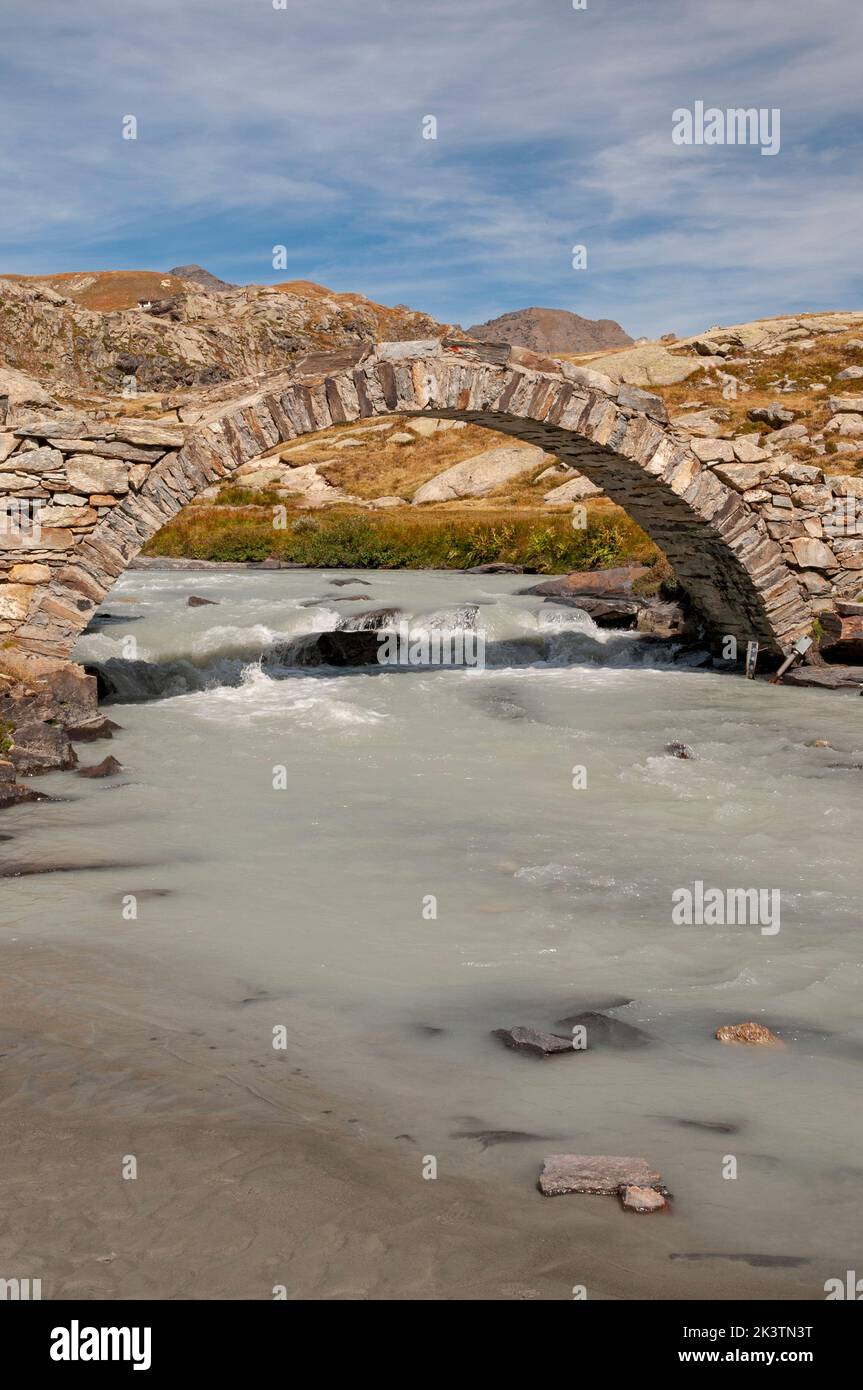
x,y
410,540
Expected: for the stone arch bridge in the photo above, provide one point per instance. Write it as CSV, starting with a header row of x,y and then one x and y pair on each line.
x,y
105,486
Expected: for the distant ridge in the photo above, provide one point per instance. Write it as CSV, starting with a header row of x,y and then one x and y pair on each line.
x,y
552,330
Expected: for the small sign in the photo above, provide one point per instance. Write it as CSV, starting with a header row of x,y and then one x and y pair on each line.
x,y
751,659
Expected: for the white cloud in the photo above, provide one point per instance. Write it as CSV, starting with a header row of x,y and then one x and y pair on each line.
x,y
304,126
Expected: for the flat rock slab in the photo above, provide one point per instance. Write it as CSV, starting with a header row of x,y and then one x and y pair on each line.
x,y
533,1041
609,583
602,1175
826,677
651,365
642,1199
476,476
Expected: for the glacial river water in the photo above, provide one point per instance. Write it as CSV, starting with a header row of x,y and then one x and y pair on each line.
x,y
426,871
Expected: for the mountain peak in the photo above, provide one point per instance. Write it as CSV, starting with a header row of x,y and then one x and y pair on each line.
x,y
552,330
199,276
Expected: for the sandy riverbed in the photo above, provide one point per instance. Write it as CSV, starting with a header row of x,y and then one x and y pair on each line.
x,y
249,1177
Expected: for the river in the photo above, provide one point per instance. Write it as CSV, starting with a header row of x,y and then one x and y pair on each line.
x,y
359,875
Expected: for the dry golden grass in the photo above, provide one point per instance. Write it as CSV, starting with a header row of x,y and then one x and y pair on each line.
x,y
384,469
105,290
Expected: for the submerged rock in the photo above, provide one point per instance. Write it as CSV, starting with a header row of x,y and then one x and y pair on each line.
x,y
601,1175
756,1261
490,1138
373,620
90,730
754,1034
711,1126
127,681
195,601
679,750
533,1041
328,649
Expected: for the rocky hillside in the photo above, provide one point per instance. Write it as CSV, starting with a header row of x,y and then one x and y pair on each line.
x,y
92,331
552,330
792,385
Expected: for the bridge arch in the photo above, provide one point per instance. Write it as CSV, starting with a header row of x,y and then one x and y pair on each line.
x,y
735,573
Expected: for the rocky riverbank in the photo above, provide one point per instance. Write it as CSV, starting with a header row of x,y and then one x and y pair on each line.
x,y
45,709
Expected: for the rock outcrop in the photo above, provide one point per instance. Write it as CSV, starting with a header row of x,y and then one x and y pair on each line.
x,y
94,331
480,475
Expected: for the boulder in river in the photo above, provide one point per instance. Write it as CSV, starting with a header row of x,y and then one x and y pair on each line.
x,y
89,730
679,750
665,618
755,1034
601,1175
331,649
106,768
127,681
605,612
195,601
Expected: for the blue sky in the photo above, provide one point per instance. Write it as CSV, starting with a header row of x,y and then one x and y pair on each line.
x,y
302,126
